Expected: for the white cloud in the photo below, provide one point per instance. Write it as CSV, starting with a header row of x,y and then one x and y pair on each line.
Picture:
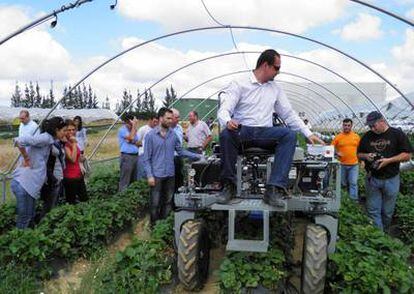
x,y
410,13
33,55
365,27
402,70
298,16
12,17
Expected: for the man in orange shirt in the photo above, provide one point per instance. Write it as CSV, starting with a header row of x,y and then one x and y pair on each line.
x,y
346,144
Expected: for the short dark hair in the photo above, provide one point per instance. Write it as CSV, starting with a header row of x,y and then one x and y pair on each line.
x,y
163,111
195,113
51,125
152,116
70,122
126,117
348,120
267,56
80,126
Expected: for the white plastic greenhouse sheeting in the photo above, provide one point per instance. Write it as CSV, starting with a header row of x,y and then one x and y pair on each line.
x,y
8,114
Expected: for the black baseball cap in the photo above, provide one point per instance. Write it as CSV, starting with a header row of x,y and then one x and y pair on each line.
x,y
373,117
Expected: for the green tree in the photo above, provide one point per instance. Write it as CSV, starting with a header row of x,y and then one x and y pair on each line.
x,y
38,97
16,99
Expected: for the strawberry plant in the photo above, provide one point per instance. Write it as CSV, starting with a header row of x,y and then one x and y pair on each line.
x,y
241,270
366,259
405,217
103,182
143,267
71,231
7,217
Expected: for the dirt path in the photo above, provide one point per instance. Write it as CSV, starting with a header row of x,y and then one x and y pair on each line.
x,y
69,279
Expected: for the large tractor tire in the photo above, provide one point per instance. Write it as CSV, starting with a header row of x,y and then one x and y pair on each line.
x,y
193,255
315,259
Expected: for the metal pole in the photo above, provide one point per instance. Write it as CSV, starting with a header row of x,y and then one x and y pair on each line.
x,y
340,76
387,12
317,93
43,19
244,71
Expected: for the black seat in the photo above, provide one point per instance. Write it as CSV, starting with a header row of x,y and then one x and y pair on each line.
x,y
256,151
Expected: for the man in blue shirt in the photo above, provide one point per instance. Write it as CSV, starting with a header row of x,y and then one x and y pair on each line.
x,y
128,138
160,144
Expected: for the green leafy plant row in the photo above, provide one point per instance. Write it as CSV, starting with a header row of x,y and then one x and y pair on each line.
x,y
143,267
366,259
242,270
407,183
7,217
71,231
405,218
102,184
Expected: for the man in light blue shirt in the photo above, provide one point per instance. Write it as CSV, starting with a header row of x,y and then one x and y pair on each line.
x,y
128,139
160,144
27,126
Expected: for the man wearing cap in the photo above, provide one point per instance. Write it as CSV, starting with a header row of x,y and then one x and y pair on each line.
x,y
346,144
382,148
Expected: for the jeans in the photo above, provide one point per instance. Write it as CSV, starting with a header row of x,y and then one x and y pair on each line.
x,y
161,198
349,178
381,198
26,205
281,139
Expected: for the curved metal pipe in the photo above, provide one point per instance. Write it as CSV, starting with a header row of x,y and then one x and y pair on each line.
x,y
244,71
43,19
299,97
382,10
320,85
338,75
307,98
211,95
316,64
317,93
237,27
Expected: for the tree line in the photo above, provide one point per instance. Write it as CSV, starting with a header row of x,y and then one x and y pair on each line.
x,y
145,102
84,97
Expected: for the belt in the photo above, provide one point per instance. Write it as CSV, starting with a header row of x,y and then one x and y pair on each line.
x,y
134,154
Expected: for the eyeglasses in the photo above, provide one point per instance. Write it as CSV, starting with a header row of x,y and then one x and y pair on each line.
x,y
277,68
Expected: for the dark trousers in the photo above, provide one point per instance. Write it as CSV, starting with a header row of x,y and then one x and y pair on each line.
x,y
128,170
50,197
280,139
75,189
179,177
161,198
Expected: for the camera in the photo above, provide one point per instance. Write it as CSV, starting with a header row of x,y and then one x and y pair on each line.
x,y
375,163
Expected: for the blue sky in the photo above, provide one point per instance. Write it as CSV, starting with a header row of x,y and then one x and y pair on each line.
x,y
93,32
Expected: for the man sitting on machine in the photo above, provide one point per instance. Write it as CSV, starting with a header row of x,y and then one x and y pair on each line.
x,y
246,113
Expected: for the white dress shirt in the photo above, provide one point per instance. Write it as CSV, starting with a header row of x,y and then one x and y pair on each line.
x,y
142,132
252,104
